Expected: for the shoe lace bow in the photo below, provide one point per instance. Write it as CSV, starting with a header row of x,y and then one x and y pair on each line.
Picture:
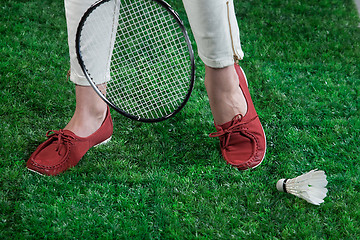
x,y
236,126
61,137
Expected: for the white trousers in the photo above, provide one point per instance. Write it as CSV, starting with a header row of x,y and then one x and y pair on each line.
x,y
213,23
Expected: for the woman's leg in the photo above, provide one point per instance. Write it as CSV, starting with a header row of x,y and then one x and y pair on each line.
x,y
214,25
216,32
91,123
89,114
90,108
215,28
225,97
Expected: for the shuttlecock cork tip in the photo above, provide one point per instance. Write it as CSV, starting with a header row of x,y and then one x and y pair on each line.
x,y
280,185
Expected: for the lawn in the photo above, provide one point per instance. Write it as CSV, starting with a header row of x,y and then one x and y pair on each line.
x,y
168,180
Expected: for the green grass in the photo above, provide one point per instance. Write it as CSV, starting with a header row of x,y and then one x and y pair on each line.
x,y
167,180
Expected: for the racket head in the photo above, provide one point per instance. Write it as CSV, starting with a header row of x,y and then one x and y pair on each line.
x,y
150,68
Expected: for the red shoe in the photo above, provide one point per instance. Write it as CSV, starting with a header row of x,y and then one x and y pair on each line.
x,y
64,149
242,140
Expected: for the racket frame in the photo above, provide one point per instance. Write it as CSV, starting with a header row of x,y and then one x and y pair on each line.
x,y
97,90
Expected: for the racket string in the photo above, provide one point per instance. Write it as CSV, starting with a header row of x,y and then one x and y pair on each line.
x,y
150,63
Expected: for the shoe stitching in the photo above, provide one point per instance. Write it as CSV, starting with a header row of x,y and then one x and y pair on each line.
x,y
246,133
225,135
67,139
251,160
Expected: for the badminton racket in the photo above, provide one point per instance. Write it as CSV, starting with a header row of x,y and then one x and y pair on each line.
x,y
137,56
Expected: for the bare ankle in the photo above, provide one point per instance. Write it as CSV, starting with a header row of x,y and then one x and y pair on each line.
x,y
225,96
84,123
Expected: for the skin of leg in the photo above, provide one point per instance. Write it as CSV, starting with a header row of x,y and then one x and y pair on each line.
x,y
90,111
222,84
225,96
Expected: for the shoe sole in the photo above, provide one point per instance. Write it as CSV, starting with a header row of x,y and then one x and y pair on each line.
x,y
102,143
31,170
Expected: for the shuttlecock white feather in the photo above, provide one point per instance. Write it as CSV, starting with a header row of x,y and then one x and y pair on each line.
x,y
310,186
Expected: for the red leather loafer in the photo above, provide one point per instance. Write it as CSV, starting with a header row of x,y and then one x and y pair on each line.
x,y
242,140
64,149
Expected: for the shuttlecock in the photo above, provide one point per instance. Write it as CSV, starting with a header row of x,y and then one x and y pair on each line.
x,y
310,186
